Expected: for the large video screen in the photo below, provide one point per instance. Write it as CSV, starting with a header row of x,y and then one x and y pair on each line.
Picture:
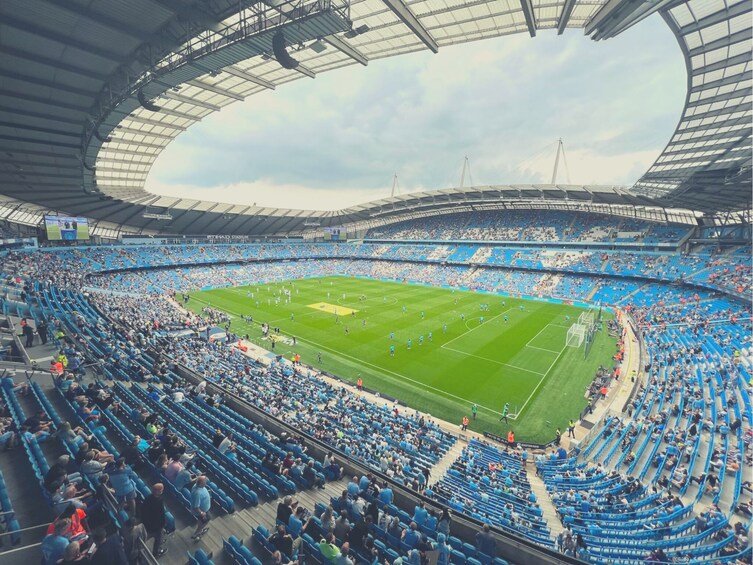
x,y
65,228
336,234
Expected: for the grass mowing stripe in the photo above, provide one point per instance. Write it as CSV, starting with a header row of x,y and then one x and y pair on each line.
x,y
493,360
476,327
536,388
380,369
517,362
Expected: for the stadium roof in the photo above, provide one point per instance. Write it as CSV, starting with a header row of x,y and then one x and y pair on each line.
x,y
90,93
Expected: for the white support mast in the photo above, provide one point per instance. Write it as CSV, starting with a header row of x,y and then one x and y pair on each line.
x,y
466,167
557,161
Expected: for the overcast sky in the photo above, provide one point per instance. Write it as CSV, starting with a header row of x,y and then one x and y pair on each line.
x,y
338,140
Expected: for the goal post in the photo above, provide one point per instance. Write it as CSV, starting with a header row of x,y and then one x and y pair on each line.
x,y
586,319
576,334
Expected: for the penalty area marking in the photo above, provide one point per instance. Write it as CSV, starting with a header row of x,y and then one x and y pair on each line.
x,y
494,361
537,335
474,329
536,388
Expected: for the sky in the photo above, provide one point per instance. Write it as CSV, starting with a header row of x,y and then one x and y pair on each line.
x,y
338,140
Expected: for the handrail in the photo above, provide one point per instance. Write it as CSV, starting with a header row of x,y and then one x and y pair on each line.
x,y
146,554
11,532
22,548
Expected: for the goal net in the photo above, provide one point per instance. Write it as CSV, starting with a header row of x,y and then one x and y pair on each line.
x,y
576,335
586,319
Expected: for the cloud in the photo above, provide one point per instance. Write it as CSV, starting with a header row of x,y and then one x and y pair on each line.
x,y
267,193
337,140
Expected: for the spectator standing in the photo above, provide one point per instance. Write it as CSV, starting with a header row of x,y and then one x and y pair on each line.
x,y
133,533
201,502
152,515
485,541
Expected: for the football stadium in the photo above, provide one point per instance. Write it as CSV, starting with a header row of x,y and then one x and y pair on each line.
x,y
480,374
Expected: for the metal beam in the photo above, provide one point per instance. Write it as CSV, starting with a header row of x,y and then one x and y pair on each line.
x,y
347,48
40,116
236,72
36,58
19,151
731,95
59,185
39,141
102,169
38,99
567,10
713,147
136,143
155,123
729,110
734,134
216,89
100,19
30,175
619,24
124,151
728,13
726,41
305,71
741,78
175,113
101,159
104,182
188,100
527,7
63,39
123,129
50,131
47,84
724,63
36,164
401,10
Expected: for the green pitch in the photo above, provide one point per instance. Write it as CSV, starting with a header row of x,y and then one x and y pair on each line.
x,y
462,360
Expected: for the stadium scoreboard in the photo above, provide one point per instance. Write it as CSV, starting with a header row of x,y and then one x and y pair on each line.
x,y
66,228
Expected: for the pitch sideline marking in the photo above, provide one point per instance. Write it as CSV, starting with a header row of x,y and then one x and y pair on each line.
x,y
543,378
477,327
401,376
494,361
383,370
542,348
538,334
